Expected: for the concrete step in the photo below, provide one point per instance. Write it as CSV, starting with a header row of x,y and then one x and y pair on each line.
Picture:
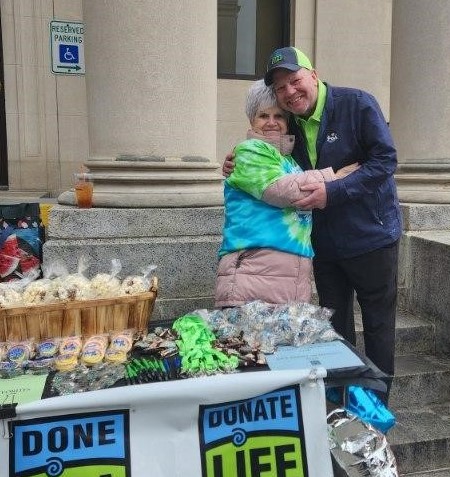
x,y
420,380
413,334
420,399
433,473
421,440
18,197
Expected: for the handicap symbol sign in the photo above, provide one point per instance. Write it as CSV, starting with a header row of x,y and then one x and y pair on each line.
x,y
67,47
68,53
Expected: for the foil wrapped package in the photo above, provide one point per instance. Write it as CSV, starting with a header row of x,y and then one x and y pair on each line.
x,y
357,448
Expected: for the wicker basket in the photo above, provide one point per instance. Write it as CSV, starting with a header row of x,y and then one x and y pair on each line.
x,y
84,318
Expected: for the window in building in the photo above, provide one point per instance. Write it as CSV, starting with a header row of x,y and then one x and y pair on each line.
x,y
248,31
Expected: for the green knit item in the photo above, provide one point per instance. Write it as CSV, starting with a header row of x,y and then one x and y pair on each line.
x,y
196,350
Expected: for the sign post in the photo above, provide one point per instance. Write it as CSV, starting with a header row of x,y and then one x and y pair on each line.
x,y
67,47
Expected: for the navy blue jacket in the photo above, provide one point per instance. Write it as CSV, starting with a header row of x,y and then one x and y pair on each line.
x,y
362,212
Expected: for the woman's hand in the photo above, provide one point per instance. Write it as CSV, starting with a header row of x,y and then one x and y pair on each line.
x,y
228,165
345,171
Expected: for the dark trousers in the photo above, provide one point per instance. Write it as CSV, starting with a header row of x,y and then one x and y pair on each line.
x,y
373,276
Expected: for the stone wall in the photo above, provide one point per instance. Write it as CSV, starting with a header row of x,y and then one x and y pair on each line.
x,y
182,243
425,266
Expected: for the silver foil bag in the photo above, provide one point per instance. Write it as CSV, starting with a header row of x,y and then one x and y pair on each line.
x,y
357,448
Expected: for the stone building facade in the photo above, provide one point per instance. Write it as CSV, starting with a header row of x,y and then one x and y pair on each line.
x,y
151,85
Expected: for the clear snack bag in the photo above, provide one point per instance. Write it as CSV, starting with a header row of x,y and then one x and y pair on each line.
x,y
134,284
76,286
106,285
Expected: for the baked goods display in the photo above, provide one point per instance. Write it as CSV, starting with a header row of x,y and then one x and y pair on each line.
x,y
76,328
61,286
66,304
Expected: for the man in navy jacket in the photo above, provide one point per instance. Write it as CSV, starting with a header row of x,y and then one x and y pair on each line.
x,y
357,219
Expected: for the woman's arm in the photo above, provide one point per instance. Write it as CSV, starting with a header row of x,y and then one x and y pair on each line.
x,y
260,170
286,191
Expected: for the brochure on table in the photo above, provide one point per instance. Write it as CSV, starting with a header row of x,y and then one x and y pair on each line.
x,y
331,355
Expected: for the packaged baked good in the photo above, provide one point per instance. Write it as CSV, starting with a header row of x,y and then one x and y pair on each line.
x,y
134,284
75,286
115,356
11,292
40,366
94,349
92,354
20,352
122,340
10,295
66,362
102,339
55,272
106,285
10,370
70,345
37,292
47,348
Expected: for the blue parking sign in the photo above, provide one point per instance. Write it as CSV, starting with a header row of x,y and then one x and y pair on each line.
x,y
67,47
68,53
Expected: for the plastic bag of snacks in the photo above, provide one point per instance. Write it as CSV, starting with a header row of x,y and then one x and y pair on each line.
x,y
75,286
134,284
49,288
268,326
11,292
106,285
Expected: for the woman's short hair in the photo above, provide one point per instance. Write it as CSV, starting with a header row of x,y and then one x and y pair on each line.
x,y
259,97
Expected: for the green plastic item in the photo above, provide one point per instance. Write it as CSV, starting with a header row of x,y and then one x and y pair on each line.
x,y
195,345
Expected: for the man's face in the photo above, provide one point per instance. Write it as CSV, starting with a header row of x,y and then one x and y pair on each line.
x,y
296,91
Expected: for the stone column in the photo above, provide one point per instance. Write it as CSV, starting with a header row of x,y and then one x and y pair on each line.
x,y
152,103
151,78
420,91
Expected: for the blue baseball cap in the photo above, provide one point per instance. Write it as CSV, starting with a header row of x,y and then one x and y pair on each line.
x,y
288,58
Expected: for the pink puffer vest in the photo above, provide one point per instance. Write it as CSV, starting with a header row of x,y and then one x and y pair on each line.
x,y
262,274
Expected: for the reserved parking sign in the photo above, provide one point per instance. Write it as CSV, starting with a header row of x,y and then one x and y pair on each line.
x,y
67,47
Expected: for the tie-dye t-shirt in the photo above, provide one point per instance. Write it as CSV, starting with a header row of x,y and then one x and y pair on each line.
x,y
249,221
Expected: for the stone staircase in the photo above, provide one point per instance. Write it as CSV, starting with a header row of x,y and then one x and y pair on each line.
x,y
420,399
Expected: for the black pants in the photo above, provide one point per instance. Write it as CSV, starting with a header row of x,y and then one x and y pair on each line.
x,y
373,276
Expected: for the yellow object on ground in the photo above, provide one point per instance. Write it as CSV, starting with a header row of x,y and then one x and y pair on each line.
x,y
45,213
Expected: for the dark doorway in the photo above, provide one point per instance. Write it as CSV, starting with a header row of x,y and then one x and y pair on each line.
x,y
247,33
3,143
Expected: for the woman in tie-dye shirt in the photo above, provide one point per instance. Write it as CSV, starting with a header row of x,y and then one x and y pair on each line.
x,y
266,250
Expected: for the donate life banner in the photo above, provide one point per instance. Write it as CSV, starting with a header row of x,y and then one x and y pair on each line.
x,y
258,436
253,424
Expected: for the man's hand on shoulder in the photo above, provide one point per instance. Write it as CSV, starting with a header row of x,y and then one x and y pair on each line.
x,y
228,165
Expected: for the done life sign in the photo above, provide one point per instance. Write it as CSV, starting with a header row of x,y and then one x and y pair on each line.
x,y
90,444
67,47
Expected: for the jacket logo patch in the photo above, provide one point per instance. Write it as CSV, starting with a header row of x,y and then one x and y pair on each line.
x,y
332,137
